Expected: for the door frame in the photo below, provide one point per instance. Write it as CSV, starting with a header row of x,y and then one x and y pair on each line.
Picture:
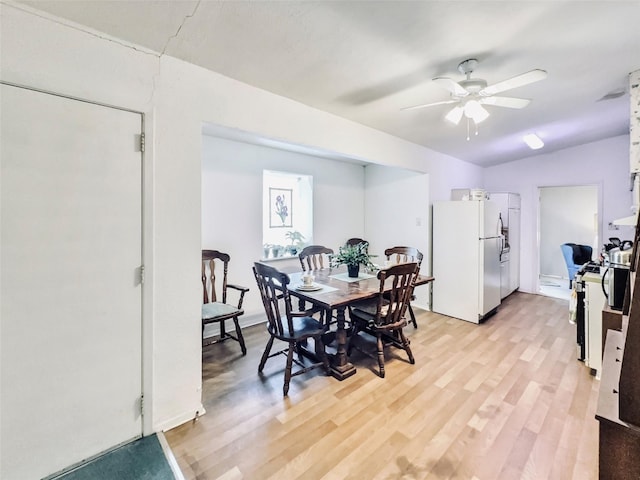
x,y
600,233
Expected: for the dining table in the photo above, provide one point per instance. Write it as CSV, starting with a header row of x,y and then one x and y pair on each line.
x,y
334,290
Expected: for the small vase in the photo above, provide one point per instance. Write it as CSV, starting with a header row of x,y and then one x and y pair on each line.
x,y
353,270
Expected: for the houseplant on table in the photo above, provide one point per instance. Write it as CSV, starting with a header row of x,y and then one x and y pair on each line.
x,y
353,256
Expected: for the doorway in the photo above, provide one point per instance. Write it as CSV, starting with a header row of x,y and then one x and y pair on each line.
x,y
71,252
567,214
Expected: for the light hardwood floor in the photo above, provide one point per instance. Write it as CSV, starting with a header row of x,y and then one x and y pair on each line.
x,y
503,400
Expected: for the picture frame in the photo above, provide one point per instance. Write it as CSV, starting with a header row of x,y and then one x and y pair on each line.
x,y
280,207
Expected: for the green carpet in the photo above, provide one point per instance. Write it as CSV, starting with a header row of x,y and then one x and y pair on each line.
x,y
142,459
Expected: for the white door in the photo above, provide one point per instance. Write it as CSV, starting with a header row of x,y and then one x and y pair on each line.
x,y
71,296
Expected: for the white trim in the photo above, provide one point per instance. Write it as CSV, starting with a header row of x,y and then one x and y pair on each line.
x,y
171,460
180,419
148,253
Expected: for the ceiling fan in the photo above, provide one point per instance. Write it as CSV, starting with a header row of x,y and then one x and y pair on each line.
x,y
471,94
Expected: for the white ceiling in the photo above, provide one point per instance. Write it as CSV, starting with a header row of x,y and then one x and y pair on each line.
x,y
365,60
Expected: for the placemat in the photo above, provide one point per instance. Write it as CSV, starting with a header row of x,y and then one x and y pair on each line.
x,y
346,278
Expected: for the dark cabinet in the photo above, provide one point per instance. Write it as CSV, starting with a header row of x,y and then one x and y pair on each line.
x,y
619,397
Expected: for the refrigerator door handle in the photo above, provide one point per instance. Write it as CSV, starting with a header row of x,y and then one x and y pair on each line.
x,y
503,242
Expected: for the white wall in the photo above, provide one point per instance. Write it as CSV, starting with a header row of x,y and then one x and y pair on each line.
x,y
567,215
604,163
56,55
397,213
232,204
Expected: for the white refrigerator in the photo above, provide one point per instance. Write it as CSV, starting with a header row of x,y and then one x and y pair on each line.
x,y
509,204
467,241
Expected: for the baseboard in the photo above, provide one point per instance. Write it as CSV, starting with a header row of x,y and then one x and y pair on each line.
x,y
171,459
180,419
421,306
213,330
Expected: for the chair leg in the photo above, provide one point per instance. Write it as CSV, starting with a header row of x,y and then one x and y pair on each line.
x,y
406,347
223,330
328,314
353,334
380,354
287,370
265,355
413,316
239,335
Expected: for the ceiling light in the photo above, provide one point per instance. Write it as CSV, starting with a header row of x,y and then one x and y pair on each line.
x,y
475,111
533,141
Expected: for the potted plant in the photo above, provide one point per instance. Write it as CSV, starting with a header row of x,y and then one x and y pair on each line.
x,y
353,256
296,242
276,250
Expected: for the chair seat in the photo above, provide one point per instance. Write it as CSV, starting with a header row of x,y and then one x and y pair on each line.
x,y
367,321
367,309
219,311
303,327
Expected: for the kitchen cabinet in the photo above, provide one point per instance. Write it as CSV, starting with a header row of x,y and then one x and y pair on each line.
x,y
618,411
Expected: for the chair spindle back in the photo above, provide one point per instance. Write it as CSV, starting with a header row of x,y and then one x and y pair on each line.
x,y
272,285
314,257
212,259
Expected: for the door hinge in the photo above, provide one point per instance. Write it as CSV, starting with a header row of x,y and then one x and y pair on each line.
x,y
141,403
141,274
142,142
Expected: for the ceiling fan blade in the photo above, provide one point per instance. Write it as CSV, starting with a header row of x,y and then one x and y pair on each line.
x,y
445,102
455,115
517,81
451,86
509,102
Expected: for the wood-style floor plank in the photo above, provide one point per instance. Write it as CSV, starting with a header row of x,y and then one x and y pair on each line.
x,y
506,399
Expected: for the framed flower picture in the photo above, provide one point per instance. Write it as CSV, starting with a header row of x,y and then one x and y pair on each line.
x,y
280,208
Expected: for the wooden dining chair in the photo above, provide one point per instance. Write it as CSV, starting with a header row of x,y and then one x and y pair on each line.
x,y
215,307
293,328
402,255
315,257
355,241
385,318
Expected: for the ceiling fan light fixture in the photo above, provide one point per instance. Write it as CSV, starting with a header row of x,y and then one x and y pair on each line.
x,y
475,111
471,94
455,115
533,141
